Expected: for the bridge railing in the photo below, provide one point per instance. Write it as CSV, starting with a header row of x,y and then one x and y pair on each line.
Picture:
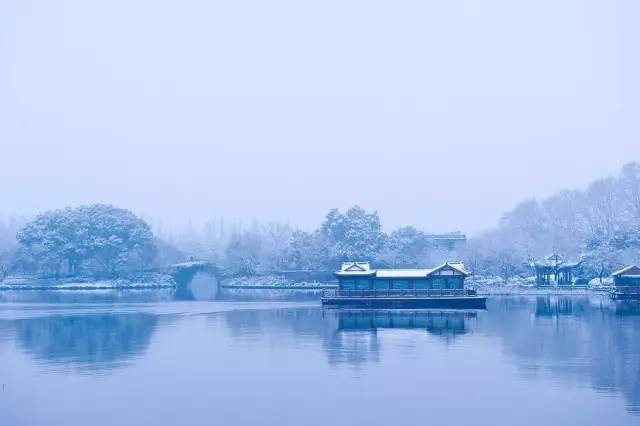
x,y
400,293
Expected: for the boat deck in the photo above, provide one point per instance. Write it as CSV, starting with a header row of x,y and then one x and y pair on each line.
x,y
411,298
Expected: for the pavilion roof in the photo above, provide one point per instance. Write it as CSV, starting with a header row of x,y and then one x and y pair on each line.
x,y
555,261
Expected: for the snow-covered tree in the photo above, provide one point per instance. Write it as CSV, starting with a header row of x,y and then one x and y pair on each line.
x,y
243,253
630,181
96,238
307,251
405,247
600,225
354,235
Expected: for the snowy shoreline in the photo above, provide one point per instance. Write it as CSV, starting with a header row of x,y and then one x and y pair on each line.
x,y
273,282
552,291
138,282
496,286
295,286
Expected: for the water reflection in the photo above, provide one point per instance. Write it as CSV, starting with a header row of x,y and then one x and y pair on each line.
x,y
269,295
347,336
581,341
252,326
356,338
592,342
94,342
440,323
589,341
627,307
87,296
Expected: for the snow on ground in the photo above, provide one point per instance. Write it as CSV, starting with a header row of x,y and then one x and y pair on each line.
x,y
141,281
527,285
268,281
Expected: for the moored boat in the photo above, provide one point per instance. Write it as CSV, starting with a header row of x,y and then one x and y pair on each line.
x,y
627,282
441,287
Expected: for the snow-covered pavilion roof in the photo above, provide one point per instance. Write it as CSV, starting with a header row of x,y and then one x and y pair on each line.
x,y
555,261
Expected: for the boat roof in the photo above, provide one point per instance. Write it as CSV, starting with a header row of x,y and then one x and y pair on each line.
x,y
632,270
355,269
403,273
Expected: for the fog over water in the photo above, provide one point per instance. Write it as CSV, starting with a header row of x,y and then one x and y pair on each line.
x,y
440,115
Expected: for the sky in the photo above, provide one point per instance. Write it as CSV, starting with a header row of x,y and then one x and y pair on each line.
x,y
438,114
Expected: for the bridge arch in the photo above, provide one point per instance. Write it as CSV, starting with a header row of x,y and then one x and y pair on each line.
x,y
196,280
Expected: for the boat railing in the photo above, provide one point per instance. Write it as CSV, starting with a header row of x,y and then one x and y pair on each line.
x,y
400,293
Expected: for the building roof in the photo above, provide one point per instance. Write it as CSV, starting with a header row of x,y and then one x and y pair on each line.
x,y
555,261
632,270
403,273
458,266
451,236
356,269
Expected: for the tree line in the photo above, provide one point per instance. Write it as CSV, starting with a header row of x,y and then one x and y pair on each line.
x,y
102,240
353,234
599,226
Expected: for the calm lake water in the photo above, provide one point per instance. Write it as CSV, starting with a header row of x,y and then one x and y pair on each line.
x,y
143,358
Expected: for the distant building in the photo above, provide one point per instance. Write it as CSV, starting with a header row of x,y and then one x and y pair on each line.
x,y
450,241
627,282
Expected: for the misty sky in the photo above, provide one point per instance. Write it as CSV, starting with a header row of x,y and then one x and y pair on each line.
x,y
441,114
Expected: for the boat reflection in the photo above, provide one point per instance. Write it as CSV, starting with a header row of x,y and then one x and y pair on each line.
x,y
440,323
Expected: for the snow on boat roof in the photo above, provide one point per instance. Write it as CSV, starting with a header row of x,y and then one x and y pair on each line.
x,y
458,266
363,269
403,273
355,269
628,271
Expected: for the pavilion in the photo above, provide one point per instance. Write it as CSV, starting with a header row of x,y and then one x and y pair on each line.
x,y
556,269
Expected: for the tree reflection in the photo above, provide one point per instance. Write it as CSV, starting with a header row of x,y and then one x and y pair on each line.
x,y
88,341
589,340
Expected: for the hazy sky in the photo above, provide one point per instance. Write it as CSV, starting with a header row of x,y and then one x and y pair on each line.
x,y
441,114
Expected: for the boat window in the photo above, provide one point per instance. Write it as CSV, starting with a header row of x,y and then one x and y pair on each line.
x,y
346,284
362,284
420,284
381,284
400,284
455,283
439,283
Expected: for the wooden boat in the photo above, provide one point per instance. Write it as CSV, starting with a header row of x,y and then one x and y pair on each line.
x,y
441,287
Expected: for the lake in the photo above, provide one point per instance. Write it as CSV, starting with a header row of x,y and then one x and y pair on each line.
x,y
144,358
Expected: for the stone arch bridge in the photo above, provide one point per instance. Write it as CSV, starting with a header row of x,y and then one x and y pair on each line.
x,y
202,274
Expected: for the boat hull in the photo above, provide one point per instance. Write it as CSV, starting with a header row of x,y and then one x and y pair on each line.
x,y
443,302
625,295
